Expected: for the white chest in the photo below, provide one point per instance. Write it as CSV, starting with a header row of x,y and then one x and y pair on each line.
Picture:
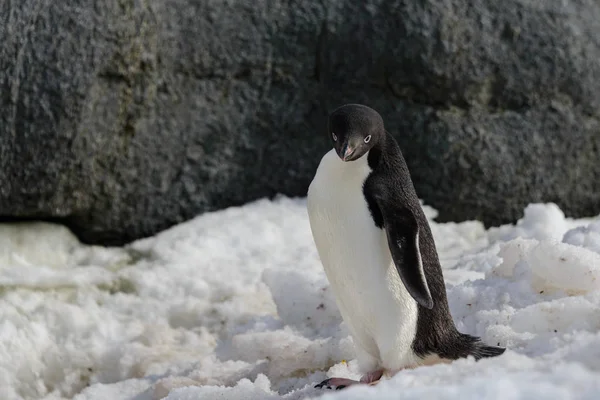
x,y
354,252
351,247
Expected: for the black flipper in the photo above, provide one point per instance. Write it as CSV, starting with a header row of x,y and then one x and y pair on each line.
x,y
402,232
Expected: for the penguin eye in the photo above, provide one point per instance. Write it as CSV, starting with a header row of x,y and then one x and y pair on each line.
x,y
367,138
333,135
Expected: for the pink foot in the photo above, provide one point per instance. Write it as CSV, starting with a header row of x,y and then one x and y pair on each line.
x,y
339,383
372,377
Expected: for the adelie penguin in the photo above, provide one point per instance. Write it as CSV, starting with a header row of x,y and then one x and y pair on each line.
x,y
379,255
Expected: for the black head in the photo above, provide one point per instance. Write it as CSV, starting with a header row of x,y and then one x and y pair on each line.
x,y
354,130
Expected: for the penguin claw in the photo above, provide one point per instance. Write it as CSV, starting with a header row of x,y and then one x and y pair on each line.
x,y
320,385
336,383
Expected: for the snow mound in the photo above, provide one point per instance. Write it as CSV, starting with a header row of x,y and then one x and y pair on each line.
x,y
235,305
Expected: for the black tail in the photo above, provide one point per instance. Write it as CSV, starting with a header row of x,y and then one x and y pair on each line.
x,y
480,350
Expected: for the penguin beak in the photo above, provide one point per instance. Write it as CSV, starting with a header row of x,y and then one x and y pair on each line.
x,y
347,152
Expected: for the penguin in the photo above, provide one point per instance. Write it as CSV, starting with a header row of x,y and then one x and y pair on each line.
x,y
379,255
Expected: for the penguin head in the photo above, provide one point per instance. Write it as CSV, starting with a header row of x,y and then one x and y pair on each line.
x,y
354,129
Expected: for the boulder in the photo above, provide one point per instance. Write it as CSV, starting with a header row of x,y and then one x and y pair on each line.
x,y
122,118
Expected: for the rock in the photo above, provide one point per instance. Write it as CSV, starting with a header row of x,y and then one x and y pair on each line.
x,y
122,118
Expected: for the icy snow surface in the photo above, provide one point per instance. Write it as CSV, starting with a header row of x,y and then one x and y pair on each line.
x,y
234,305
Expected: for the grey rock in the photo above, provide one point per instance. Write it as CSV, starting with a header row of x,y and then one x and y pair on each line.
x,y
122,118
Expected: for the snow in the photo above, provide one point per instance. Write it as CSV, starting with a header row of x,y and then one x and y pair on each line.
x,y
235,305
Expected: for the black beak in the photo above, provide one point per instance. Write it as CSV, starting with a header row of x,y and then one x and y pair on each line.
x,y
346,152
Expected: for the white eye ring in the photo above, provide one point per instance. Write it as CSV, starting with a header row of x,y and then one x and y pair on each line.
x,y
368,139
333,135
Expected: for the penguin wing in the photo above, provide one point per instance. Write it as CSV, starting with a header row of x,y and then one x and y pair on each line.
x,y
402,232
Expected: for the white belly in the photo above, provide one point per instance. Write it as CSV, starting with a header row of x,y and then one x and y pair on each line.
x,y
372,299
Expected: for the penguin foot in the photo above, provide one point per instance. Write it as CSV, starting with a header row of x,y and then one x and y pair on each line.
x,y
336,383
372,377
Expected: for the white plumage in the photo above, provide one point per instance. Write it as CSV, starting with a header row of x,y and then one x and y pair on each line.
x,y
379,311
